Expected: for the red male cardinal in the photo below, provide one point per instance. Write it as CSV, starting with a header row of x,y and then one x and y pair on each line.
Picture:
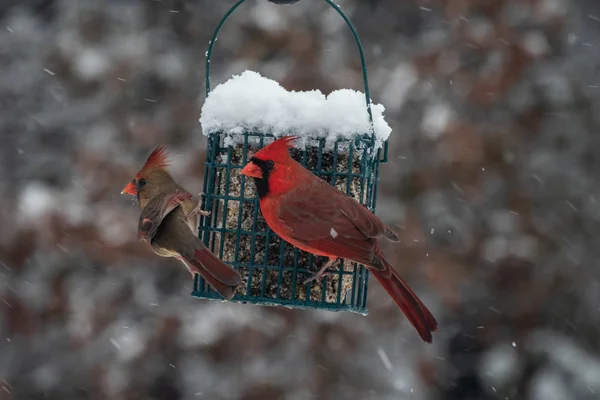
x,y
169,222
318,218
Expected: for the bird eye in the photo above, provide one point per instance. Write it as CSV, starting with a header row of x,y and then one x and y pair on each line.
x,y
270,163
141,183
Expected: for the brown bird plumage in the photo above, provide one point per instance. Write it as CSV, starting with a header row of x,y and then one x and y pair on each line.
x,y
169,222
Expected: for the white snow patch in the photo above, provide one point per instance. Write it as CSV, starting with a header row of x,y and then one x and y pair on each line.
x,y
548,385
333,233
37,200
401,81
269,18
499,365
130,344
91,64
170,66
206,325
569,357
250,102
100,137
436,120
536,44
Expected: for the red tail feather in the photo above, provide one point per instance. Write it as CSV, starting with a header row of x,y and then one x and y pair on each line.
x,y
414,309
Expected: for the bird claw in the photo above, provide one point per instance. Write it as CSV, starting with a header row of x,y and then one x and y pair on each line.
x,y
198,210
323,271
317,275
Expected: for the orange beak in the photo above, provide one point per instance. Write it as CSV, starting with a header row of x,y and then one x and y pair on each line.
x,y
130,189
252,170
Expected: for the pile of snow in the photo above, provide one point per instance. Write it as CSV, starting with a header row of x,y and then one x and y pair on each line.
x,y
252,103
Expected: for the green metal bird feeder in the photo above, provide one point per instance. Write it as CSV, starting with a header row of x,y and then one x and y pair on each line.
x,y
273,271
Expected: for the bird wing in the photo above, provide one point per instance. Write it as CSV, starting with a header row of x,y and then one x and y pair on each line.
x,y
327,220
174,239
156,210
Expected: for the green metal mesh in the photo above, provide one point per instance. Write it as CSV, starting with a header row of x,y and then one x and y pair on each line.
x,y
272,270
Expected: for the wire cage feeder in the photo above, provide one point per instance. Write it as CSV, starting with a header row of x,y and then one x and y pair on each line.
x,y
273,271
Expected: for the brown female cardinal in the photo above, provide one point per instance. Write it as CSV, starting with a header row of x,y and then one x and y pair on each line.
x,y
169,222
314,216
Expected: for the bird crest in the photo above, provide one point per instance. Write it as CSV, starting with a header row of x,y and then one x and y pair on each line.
x,y
277,148
157,160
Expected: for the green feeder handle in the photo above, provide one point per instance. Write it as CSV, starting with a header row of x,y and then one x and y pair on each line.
x,y
356,38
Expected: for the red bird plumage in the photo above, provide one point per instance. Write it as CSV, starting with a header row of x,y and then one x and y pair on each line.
x,y
316,217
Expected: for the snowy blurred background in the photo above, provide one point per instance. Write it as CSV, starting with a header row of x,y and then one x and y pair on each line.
x,y
493,184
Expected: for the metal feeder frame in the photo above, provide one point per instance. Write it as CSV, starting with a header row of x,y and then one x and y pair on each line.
x,y
216,177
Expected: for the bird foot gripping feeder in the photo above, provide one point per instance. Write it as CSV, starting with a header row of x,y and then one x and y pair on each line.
x,y
343,139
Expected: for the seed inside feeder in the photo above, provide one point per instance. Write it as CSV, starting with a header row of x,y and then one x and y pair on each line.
x,y
261,254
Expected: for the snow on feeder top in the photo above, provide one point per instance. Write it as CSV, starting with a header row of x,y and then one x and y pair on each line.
x,y
343,137
252,103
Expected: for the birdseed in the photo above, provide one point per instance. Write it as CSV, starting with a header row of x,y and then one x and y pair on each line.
x,y
278,268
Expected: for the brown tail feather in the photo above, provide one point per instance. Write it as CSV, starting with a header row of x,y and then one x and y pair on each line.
x,y
195,267
414,309
217,268
217,274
